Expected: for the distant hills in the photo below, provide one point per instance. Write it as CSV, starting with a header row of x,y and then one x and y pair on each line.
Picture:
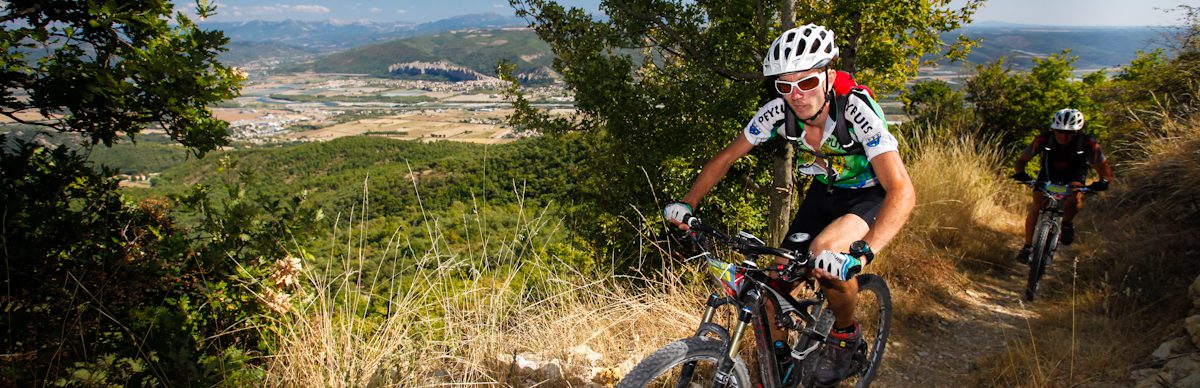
x,y
1096,47
477,42
290,40
330,35
477,50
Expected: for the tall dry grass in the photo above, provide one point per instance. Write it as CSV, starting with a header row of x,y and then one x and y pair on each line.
x,y
462,323
963,221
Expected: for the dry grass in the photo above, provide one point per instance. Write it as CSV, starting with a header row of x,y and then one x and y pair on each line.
x,y
962,222
448,328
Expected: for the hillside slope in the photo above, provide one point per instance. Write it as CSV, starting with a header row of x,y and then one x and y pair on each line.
x,y
959,318
1096,47
478,50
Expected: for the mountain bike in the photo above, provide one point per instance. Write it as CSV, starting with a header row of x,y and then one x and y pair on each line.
x,y
1047,231
710,358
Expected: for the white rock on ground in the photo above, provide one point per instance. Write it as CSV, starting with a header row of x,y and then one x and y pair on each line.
x,y
1179,345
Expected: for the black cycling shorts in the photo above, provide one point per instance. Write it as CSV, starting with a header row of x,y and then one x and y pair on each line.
x,y
821,207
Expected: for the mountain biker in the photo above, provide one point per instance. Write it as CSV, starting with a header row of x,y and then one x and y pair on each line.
x,y
1066,154
862,189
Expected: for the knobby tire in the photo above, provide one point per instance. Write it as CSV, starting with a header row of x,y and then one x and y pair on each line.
x,y
704,351
881,323
1038,258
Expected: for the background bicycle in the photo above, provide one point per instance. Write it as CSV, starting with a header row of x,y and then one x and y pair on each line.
x,y
1049,228
712,357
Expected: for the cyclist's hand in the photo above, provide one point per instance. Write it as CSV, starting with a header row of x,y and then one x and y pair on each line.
x,y
677,212
1022,176
1099,185
838,266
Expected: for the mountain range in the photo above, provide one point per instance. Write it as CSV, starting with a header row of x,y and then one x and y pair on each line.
x,y
478,41
332,35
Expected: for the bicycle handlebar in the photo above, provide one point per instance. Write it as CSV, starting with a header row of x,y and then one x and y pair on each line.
x,y
747,246
1077,188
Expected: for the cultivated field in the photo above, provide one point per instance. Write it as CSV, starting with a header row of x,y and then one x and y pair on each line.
x,y
448,124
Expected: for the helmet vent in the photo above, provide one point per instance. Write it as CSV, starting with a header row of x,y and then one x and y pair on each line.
x,y
799,49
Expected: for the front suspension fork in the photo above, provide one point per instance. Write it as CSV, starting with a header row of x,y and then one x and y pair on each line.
x,y
706,327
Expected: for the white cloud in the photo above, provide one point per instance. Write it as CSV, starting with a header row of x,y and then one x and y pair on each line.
x,y
310,8
401,11
279,9
376,10
499,5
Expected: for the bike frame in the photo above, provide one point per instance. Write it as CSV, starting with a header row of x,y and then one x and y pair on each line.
x,y
751,303
751,307
1049,221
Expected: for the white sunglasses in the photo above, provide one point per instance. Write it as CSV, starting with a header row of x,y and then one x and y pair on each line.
x,y
805,84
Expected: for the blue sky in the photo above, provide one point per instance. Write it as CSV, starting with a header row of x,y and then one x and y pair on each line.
x,y
1053,12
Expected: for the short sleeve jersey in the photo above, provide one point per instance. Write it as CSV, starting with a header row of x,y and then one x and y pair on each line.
x,y
1063,163
866,125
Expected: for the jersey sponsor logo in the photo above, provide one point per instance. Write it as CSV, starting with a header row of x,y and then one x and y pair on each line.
x,y
859,118
767,117
754,130
874,142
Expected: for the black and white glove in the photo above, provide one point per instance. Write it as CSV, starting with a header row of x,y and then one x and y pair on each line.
x,y
1099,185
840,265
677,211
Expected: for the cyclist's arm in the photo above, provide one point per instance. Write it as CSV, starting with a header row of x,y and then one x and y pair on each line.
x,y
1098,162
716,168
1026,156
897,203
1104,170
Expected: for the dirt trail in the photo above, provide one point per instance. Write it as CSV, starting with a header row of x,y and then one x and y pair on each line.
x,y
941,349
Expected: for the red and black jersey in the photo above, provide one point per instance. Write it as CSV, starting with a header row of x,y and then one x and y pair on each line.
x,y
1065,163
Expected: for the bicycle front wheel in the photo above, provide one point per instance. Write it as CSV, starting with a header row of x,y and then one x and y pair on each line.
x,y
689,362
1038,258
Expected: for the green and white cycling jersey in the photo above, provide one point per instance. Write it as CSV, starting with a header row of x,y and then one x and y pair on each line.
x,y
853,170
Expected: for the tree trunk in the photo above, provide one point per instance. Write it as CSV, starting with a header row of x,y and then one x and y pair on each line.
x,y
849,48
782,185
782,180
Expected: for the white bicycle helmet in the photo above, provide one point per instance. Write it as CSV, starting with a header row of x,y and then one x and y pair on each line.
x,y
1067,120
799,49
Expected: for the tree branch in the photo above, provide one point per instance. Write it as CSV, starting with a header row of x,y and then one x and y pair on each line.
x,y
689,51
21,13
12,115
746,180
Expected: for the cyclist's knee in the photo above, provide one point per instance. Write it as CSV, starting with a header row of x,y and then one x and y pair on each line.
x,y
837,288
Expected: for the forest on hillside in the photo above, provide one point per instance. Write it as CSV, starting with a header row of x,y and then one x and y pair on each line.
x,y
368,261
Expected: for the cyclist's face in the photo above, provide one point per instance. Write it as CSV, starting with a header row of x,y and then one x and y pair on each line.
x,y
803,97
1063,137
